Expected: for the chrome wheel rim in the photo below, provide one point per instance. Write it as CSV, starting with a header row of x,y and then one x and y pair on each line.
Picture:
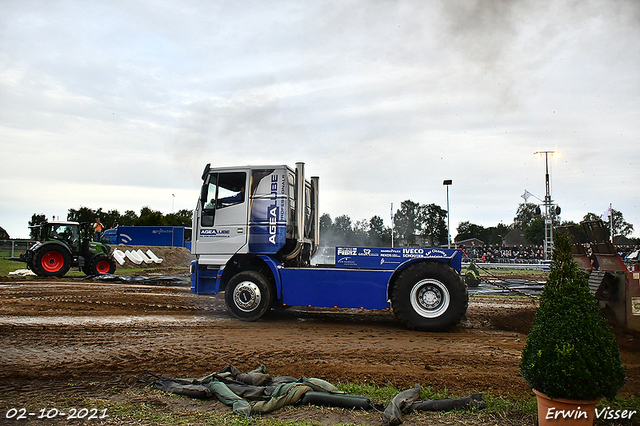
x,y
430,298
247,296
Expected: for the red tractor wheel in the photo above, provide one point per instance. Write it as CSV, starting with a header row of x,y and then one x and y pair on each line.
x,y
102,264
52,261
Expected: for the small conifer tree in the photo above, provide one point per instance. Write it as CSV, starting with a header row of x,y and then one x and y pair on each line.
x,y
570,351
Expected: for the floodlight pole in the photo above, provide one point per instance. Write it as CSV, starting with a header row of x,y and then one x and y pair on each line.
x,y
548,224
447,183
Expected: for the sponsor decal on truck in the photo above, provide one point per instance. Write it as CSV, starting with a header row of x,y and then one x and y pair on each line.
x,y
224,233
389,258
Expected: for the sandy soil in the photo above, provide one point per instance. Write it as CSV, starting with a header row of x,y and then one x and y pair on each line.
x,y
53,332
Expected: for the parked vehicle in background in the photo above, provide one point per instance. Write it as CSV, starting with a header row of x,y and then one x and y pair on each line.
x,y
170,236
65,245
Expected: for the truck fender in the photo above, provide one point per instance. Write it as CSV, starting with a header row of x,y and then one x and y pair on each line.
x,y
227,272
274,266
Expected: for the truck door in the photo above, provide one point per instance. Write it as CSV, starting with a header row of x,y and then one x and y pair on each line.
x,y
223,214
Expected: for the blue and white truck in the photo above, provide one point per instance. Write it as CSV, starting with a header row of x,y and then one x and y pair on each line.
x,y
256,229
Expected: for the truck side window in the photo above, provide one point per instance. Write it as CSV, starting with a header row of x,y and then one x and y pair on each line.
x,y
231,188
223,190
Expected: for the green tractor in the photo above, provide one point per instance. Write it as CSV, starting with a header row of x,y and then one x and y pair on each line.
x,y
63,245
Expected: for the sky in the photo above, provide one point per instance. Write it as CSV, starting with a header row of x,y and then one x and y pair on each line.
x,y
119,104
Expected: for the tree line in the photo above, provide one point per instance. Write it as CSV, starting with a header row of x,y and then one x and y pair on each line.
x,y
417,224
530,220
414,224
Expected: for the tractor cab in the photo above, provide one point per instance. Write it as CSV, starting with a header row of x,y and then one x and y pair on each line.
x,y
66,232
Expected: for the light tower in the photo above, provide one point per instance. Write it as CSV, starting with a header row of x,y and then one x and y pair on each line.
x,y
548,204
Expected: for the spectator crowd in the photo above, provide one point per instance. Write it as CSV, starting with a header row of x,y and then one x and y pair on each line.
x,y
504,254
520,254
629,254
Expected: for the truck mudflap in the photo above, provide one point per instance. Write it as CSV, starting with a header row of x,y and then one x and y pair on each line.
x,y
391,258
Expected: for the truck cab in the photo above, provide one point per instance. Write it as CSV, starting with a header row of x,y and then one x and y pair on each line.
x,y
256,230
250,210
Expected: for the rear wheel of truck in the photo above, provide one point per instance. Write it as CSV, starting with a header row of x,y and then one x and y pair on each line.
x,y
101,264
429,296
248,295
52,261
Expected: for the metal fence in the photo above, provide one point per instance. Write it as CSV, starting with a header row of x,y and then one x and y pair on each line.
x,y
540,266
13,248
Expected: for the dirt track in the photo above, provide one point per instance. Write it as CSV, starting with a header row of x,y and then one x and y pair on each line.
x,y
56,331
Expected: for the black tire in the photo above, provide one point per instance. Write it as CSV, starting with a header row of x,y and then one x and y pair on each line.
x,y
51,261
429,296
248,295
101,264
33,266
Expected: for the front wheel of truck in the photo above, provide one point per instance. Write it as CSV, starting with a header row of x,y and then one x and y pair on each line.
x,y
248,295
429,296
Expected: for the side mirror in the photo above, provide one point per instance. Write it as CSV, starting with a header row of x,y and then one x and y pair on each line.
x,y
203,195
206,171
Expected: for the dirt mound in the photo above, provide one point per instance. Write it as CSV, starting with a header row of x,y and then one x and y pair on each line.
x,y
520,322
171,256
